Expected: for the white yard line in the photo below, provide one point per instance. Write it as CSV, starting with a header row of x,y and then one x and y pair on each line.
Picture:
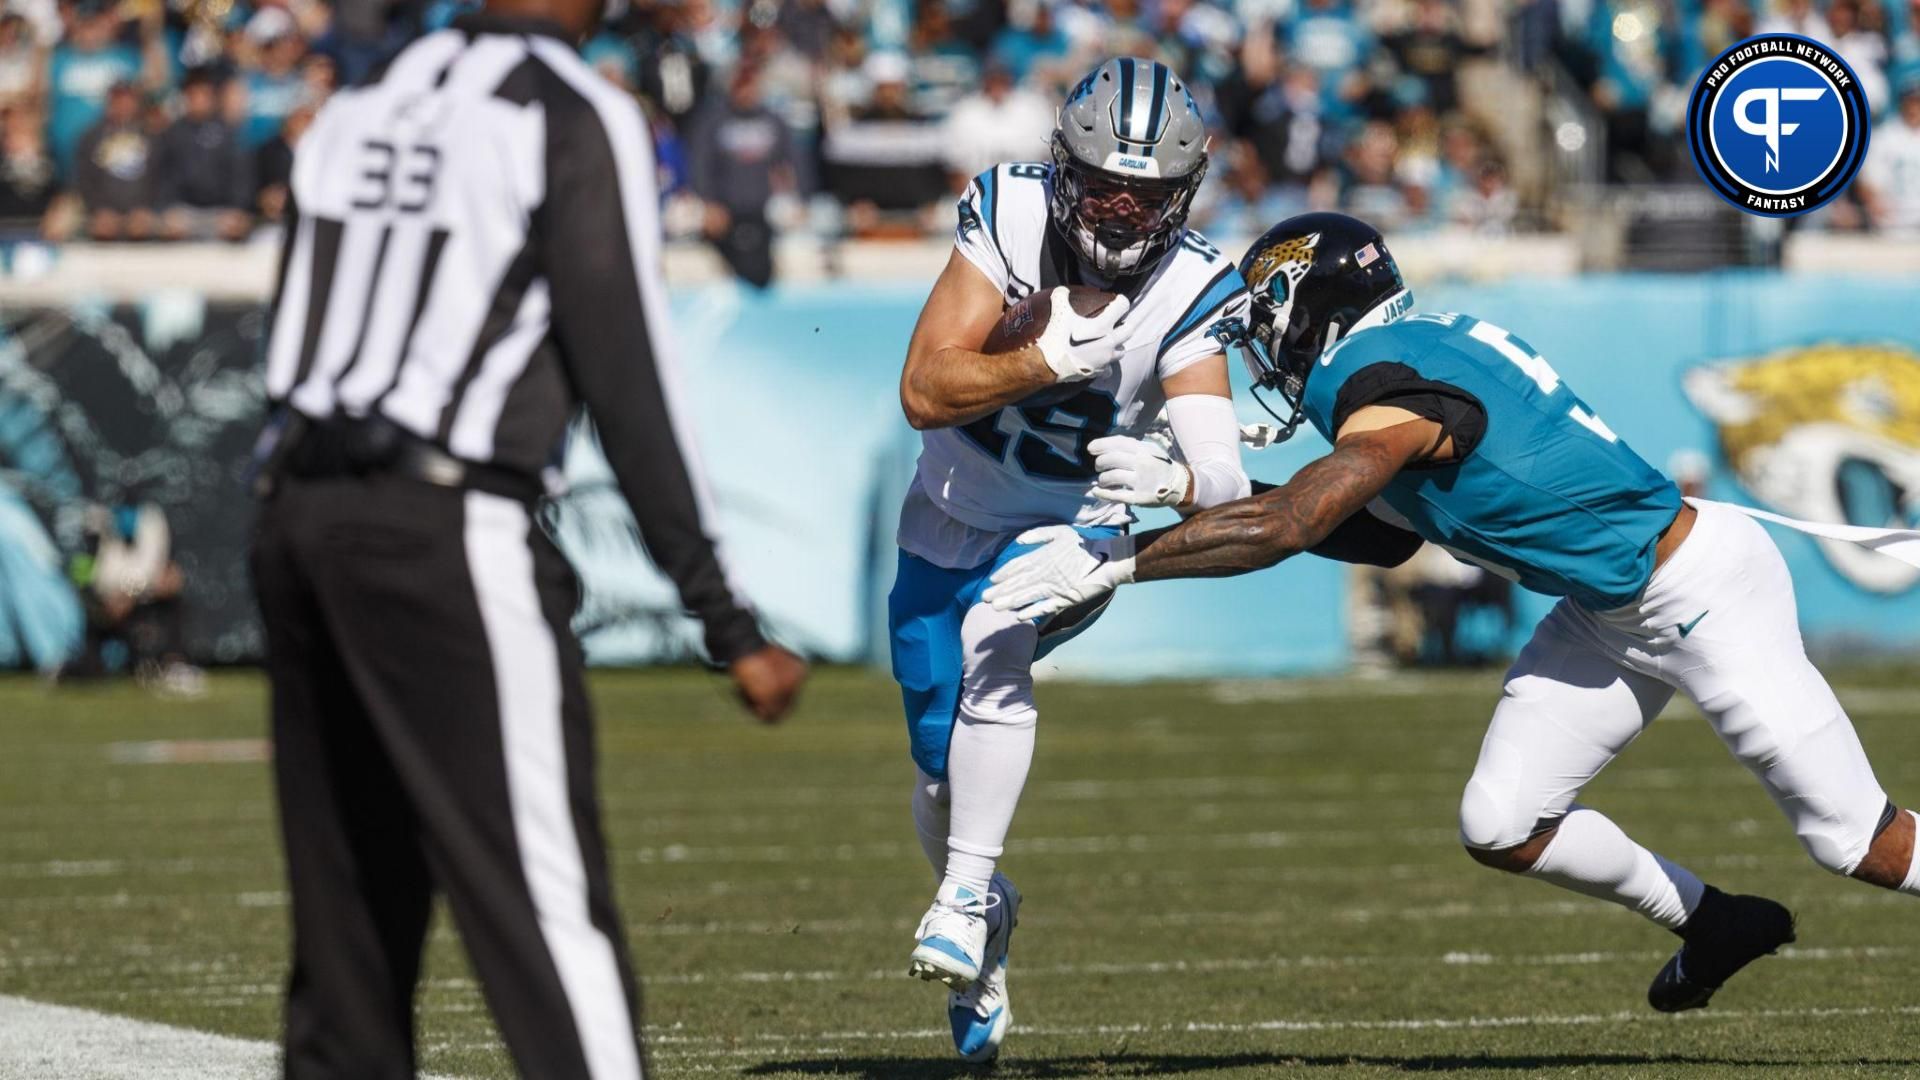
x,y
39,1041
82,868
1402,684
1284,914
1289,914
1125,843
785,809
1293,871
1273,963
1447,837
672,1044
1377,779
189,752
242,987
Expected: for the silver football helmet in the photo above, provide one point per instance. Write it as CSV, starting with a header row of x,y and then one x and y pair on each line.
x,y
1129,152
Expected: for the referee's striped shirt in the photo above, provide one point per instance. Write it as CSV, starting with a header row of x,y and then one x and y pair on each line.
x,y
476,254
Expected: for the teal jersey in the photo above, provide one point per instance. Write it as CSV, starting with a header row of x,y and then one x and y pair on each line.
x,y
1546,494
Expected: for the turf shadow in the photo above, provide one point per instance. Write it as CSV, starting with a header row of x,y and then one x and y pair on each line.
x,y
1126,1065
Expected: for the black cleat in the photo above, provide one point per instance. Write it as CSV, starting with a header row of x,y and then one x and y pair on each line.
x,y
1724,934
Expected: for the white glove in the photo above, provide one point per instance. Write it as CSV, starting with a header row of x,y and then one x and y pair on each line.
x,y
1138,472
1078,346
1067,570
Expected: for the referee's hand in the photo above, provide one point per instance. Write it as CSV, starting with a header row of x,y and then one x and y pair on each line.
x,y
769,681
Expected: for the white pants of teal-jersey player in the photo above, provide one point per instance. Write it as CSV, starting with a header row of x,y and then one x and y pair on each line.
x,y
1718,623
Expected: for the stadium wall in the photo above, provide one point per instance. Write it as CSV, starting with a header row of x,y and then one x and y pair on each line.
x,y
1803,391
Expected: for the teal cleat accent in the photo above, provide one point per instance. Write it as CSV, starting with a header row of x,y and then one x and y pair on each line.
x,y
975,1037
942,961
951,942
982,1014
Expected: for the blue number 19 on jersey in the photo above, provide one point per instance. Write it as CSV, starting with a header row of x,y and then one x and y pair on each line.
x,y
1053,444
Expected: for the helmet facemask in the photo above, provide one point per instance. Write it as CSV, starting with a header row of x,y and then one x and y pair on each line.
x,y
1117,223
1279,346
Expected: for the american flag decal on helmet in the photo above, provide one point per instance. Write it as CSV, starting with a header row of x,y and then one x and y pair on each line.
x,y
1366,254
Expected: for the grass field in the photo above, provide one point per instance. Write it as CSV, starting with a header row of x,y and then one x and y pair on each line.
x,y
1222,880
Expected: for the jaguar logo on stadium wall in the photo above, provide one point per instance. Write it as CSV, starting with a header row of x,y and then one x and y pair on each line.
x,y
1778,125
1826,432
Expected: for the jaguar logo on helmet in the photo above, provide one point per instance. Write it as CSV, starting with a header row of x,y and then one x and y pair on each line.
x,y
1827,432
1129,152
1276,270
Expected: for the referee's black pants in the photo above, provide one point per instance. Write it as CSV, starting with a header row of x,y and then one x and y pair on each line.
x,y
431,731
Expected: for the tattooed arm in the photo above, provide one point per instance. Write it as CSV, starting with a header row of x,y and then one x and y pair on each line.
x,y
1257,532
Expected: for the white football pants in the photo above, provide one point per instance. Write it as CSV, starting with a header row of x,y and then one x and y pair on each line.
x,y
1718,623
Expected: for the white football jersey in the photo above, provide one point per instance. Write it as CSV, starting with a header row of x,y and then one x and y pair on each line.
x,y
1028,465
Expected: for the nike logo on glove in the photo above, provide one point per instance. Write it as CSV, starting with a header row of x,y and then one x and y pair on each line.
x,y
1688,628
1071,340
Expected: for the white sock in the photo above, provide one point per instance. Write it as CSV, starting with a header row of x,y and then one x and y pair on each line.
x,y
987,765
1912,884
930,819
1591,856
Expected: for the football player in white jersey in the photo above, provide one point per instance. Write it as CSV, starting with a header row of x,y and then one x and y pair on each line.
x,y
1046,434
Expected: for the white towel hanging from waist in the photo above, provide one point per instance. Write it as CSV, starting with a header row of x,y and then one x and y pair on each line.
x,y
1902,544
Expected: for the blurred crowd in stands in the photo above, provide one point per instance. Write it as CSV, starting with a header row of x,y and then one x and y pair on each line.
x,y
161,119
137,121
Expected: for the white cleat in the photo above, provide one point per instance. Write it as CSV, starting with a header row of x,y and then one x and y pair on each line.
x,y
981,1015
952,938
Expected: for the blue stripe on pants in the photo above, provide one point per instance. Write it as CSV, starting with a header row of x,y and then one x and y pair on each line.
x,y
924,615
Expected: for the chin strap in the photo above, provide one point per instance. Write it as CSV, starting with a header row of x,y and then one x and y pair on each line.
x,y
1231,334
1258,436
1284,427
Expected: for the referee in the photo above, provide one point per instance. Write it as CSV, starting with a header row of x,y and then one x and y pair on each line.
x,y
475,257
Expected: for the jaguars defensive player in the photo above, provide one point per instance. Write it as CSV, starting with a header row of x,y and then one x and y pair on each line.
x,y
1455,431
1016,440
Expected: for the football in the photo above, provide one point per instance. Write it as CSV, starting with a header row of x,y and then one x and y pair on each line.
x,y
1022,324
